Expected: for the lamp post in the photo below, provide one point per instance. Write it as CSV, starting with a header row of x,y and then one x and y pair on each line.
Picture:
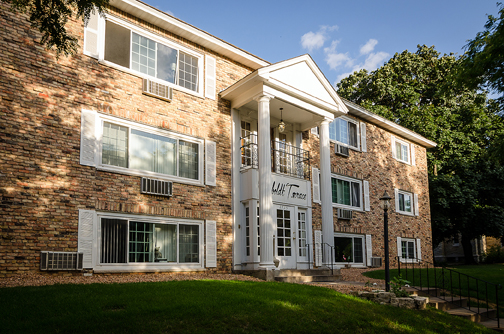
x,y
385,204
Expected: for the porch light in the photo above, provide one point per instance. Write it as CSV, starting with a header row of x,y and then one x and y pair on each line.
x,y
385,201
281,125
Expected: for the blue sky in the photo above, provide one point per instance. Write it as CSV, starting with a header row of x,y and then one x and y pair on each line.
x,y
341,36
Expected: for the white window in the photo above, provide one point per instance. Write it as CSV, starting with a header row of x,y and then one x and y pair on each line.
x,y
136,241
348,248
119,43
345,131
406,202
346,192
409,249
121,146
403,151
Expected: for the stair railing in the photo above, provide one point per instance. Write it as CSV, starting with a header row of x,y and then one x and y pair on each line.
x,y
324,260
448,283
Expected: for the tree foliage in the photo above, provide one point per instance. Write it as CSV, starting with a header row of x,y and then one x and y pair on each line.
x,y
419,91
51,16
483,63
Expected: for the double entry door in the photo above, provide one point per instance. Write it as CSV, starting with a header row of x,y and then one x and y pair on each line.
x,y
291,236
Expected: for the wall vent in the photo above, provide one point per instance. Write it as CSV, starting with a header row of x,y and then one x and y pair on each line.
x,y
60,260
156,187
158,90
341,150
344,214
376,262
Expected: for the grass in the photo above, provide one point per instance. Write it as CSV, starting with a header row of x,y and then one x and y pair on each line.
x,y
209,307
493,273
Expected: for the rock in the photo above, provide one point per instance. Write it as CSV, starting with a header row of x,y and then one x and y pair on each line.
x,y
406,302
421,302
384,297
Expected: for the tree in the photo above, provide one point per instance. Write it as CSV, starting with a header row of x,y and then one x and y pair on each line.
x,y
483,63
418,91
51,16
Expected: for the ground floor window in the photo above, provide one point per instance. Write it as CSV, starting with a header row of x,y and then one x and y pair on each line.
x,y
408,249
348,248
133,241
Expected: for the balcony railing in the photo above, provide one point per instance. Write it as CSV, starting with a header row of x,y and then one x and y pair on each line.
x,y
285,158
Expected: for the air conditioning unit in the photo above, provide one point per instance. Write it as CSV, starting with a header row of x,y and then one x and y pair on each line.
x,y
60,260
344,214
156,187
341,150
376,262
158,90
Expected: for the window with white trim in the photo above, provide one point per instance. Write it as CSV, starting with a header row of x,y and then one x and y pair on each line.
x,y
346,192
408,248
406,202
349,248
345,131
149,55
124,240
403,151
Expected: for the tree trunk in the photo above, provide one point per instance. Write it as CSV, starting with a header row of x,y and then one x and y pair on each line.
x,y
468,251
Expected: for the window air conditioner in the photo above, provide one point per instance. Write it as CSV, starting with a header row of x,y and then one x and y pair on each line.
x,y
60,260
341,150
376,262
344,214
156,187
158,90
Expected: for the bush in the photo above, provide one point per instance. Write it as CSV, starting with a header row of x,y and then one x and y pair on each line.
x,y
495,254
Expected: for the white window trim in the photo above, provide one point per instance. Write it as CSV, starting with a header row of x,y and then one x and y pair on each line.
x,y
410,151
416,245
350,235
157,39
133,125
357,124
343,206
413,207
147,266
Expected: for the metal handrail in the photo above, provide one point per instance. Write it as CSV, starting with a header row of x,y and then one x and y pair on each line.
x,y
443,282
332,256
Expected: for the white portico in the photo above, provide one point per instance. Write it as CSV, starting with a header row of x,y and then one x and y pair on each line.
x,y
271,176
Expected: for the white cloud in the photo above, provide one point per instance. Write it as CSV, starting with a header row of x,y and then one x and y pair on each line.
x,y
368,47
315,40
374,60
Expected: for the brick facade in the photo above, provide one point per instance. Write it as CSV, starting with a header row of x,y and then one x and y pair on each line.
x,y
43,184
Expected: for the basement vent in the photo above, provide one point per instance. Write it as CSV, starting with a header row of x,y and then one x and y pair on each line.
x,y
158,90
156,187
60,261
341,150
376,262
344,214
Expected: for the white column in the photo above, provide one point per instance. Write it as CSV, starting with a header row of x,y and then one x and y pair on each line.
x,y
238,212
266,211
325,190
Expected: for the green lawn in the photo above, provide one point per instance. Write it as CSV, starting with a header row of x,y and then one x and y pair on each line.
x,y
493,273
209,307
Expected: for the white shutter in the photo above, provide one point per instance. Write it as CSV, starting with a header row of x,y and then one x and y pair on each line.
x,y
88,146
316,185
412,146
211,163
419,250
211,244
396,198
415,203
314,131
85,237
210,77
367,205
91,35
318,248
369,250
363,137
393,147
399,249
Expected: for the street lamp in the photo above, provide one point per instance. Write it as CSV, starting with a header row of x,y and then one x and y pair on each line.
x,y
385,204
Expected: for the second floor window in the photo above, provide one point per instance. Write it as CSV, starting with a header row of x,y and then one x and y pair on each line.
x,y
344,131
346,192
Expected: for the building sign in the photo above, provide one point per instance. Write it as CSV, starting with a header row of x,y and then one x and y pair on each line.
x,y
290,190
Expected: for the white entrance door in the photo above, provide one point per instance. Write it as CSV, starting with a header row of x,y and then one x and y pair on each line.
x,y
285,228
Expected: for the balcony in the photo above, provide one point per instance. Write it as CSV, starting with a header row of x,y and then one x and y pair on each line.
x,y
285,158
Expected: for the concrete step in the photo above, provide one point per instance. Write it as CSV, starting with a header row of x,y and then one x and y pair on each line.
x,y
492,324
445,305
471,315
307,279
306,272
424,292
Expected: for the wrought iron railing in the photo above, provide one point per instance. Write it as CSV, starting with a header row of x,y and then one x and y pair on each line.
x,y
446,284
325,256
285,158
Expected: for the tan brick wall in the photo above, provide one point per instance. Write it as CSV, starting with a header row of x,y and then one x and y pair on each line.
x,y
383,173
42,183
